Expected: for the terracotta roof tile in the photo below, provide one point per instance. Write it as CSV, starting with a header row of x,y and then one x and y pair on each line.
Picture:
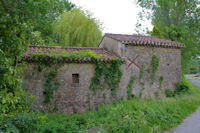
x,y
144,40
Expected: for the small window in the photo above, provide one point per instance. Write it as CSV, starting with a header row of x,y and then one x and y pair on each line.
x,y
75,78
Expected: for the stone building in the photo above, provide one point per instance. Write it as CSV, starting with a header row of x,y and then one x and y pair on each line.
x,y
152,63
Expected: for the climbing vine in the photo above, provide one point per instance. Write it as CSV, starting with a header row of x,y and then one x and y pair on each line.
x,y
51,84
111,71
161,79
112,75
130,87
141,71
155,64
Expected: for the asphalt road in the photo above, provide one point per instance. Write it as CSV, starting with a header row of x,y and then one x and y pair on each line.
x,y
192,123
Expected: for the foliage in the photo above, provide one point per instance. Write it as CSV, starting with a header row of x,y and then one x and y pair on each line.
x,y
141,71
47,13
177,20
155,64
194,66
181,87
56,56
18,20
135,115
112,75
36,38
78,28
161,79
14,31
130,88
169,92
22,123
156,32
11,104
51,84
112,72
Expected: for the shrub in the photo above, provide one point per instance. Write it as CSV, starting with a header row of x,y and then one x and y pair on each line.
x,y
12,104
181,87
21,123
169,92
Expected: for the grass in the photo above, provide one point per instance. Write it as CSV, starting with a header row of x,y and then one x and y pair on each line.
x,y
133,116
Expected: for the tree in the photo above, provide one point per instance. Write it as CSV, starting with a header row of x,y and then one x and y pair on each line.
x,y
156,32
78,28
47,13
177,20
18,18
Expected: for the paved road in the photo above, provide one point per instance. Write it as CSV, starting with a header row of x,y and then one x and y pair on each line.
x,y
192,123
194,81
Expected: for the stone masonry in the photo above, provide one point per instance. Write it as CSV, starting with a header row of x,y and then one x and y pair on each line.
x,y
136,52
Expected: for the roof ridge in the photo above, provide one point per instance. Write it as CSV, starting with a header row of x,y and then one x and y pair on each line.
x,y
144,40
132,35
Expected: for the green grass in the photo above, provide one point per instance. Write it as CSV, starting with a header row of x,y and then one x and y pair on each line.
x,y
133,116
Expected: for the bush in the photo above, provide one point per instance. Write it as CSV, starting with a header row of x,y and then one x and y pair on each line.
x,y
22,123
169,92
12,104
181,87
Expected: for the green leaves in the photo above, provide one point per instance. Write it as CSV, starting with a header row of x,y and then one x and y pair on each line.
x,y
130,88
155,64
112,74
78,28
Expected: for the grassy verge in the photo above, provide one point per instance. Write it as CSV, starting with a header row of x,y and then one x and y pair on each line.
x,y
133,116
136,115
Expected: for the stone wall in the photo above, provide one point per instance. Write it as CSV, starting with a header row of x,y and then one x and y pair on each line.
x,y
72,98
169,68
112,45
69,97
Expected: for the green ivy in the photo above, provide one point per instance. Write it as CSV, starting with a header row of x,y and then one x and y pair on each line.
x,y
141,71
112,75
54,55
161,79
130,87
50,85
111,71
155,65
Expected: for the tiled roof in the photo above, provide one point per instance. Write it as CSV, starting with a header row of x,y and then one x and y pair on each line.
x,y
144,40
47,50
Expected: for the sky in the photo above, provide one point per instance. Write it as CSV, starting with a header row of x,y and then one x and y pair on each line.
x,y
117,16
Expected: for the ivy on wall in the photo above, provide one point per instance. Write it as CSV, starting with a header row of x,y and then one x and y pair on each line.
x,y
112,73
155,65
130,87
51,84
141,71
161,79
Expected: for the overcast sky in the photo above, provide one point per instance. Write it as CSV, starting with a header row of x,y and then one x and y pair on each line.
x,y
117,16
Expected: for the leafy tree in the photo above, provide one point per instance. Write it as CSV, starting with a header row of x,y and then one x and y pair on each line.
x,y
177,20
78,28
47,13
156,32
18,18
